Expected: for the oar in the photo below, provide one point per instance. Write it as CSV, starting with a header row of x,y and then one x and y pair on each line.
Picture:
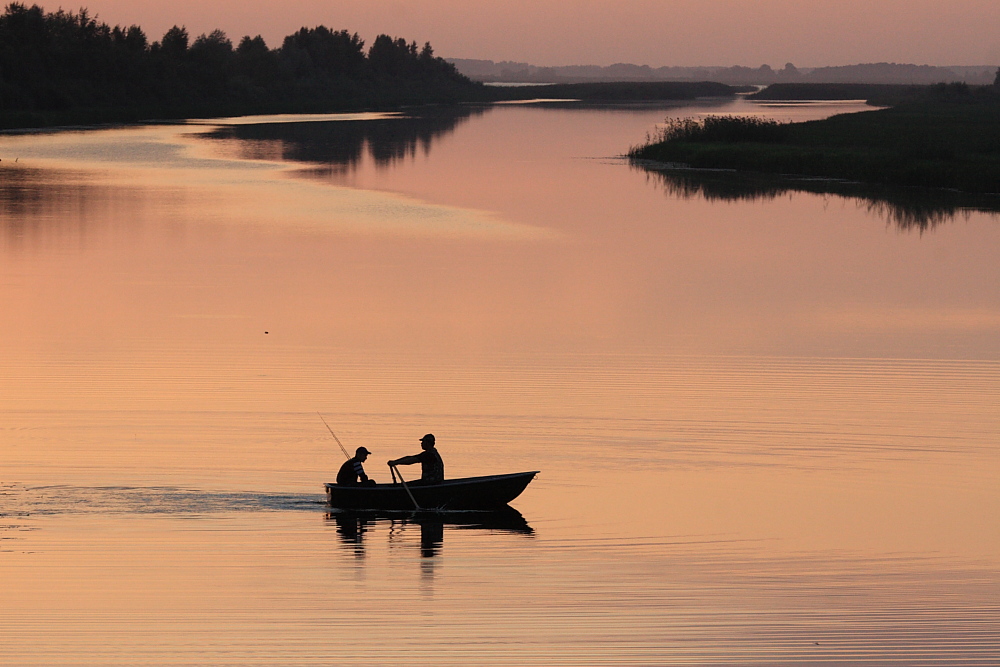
x,y
335,437
408,492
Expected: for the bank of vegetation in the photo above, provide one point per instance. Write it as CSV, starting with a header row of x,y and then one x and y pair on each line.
x,y
876,94
943,136
68,67
64,67
622,91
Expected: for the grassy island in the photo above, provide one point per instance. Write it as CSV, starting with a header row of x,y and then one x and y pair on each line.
x,y
943,136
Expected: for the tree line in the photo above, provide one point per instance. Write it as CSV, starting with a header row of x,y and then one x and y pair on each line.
x,y
64,65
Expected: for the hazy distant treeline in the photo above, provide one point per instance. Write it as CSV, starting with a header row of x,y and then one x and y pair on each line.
x,y
66,65
874,73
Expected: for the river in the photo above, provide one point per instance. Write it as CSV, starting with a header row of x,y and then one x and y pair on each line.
x,y
766,426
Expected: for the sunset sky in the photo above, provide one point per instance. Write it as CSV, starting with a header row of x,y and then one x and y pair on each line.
x,y
602,32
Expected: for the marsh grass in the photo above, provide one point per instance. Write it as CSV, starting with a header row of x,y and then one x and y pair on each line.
x,y
950,139
723,129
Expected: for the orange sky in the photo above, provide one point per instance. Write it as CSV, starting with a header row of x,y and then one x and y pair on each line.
x,y
601,32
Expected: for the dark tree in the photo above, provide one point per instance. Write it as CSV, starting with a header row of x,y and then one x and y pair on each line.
x,y
392,57
69,67
175,42
331,52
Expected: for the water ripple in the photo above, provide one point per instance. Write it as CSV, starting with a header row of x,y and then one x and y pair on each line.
x,y
20,501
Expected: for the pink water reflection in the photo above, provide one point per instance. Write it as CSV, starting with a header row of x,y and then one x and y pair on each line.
x,y
765,410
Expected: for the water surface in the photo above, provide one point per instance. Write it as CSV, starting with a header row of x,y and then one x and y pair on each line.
x,y
766,426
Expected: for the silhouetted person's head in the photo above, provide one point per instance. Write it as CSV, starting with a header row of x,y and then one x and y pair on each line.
x,y
427,441
361,454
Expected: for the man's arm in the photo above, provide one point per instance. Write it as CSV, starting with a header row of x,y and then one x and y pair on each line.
x,y
406,460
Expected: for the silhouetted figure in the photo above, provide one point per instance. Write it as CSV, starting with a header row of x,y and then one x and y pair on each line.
x,y
352,473
431,537
350,527
431,465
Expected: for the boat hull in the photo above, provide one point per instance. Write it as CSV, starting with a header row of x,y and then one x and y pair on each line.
x,y
469,493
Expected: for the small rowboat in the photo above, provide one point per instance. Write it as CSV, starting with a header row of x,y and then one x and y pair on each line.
x,y
468,493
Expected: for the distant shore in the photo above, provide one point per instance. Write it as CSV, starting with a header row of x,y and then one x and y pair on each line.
x,y
65,68
943,136
866,73
620,91
393,95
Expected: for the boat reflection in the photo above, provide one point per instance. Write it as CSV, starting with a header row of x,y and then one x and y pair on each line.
x,y
354,526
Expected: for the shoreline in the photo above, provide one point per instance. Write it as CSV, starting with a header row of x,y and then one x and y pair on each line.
x,y
948,139
473,94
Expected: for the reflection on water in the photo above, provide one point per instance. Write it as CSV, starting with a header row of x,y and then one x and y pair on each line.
x,y
769,428
341,145
70,186
20,192
46,204
908,208
360,531
352,526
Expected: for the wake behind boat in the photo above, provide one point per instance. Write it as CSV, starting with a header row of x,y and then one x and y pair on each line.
x,y
468,493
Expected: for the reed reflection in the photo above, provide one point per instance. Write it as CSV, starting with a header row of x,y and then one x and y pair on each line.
x,y
908,209
39,207
36,200
341,145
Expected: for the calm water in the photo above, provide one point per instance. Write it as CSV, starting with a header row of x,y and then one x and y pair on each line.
x,y
767,426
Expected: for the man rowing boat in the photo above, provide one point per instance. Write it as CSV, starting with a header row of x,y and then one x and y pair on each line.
x,y
431,465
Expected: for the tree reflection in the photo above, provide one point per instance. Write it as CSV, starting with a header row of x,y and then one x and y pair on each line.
x,y
342,144
37,201
907,208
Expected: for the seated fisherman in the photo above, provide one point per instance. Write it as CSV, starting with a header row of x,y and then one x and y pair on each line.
x,y
431,465
352,473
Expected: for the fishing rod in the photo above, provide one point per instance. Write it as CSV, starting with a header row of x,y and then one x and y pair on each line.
x,y
394,469
334,436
